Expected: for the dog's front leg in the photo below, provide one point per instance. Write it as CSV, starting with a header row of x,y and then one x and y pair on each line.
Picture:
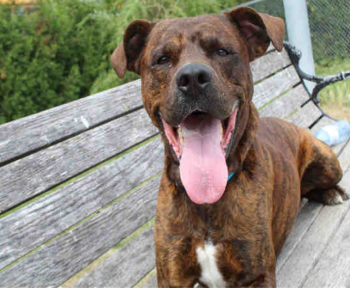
x,y
165,280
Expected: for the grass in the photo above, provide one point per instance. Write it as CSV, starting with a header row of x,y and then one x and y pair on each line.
x,y
335,99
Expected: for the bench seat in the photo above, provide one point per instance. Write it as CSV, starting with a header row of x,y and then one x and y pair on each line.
x,y
79,184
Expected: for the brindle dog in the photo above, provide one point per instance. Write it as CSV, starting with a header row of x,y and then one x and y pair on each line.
x,y
197,88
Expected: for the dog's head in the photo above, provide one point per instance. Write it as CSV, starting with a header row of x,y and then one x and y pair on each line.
x,y
197,88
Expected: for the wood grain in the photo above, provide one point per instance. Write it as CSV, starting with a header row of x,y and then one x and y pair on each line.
x,y
286,104
332,267
344,159
274,86
63,257
305,218
29,227
269,64
151,283
309,249
305,116
42,129
32,175
126,267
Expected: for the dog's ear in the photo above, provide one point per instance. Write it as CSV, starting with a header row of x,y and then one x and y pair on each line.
x,y
128,54
258,30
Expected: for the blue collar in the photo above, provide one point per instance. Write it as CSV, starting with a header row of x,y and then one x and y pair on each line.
x,y
230,176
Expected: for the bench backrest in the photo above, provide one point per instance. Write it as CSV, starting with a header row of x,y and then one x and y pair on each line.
x,y
78,183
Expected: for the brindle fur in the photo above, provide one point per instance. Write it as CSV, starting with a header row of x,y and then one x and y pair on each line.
x,y
275,162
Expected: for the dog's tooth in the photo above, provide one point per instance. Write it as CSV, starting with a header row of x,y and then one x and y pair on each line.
x,y
179,132
234,106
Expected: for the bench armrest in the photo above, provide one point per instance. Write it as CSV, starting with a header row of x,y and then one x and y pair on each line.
x,y
321,81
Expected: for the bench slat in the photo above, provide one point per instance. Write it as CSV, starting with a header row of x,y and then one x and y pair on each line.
x,y
305,218
41,171
126,267
310,248
40,130
330,269
63,257
274,86
305,116
41,221
308,215
286,104
151,283
269,64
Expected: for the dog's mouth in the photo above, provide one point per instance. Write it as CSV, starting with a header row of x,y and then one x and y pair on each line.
x,y
201,144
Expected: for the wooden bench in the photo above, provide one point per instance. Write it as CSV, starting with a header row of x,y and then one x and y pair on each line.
x,y
79,185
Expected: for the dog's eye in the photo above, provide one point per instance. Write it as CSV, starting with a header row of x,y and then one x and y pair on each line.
x,y
163,60
222,52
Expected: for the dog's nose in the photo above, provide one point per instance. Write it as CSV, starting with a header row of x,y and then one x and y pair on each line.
x,y
193,78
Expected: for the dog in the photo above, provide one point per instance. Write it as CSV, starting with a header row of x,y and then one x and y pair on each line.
x,y
212,231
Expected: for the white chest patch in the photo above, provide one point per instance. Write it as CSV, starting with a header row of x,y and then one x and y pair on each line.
x,y
211,275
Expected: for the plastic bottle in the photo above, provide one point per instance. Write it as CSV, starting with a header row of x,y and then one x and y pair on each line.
x,y
334,133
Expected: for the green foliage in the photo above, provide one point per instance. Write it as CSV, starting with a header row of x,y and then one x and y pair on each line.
x,y
337,94
50,56
330,28
60,51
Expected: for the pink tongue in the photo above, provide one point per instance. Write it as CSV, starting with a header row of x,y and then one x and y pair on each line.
x,y
203,167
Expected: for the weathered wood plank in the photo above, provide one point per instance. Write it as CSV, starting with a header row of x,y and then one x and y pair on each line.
x,y
269,64
286,104
66,255
333,266
151,283
295,270
126,267
42,129
305,116
38,172
274,86
344,160
29,227
305,218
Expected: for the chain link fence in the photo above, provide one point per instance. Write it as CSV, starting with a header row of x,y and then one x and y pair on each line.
x,y
330,28
329,22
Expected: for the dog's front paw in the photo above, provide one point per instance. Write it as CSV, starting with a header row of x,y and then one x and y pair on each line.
x,y
332,196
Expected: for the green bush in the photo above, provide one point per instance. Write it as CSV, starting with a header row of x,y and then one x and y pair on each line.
x,y
60,51
330,29
51,56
